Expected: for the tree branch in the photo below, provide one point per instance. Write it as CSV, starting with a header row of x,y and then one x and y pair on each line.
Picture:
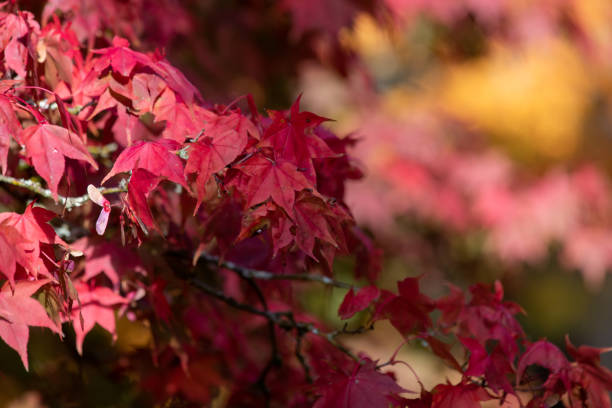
x,y
284,320
209,290
67,202
249,273
275,358
301,358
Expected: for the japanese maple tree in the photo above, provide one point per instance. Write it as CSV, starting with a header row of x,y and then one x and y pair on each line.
x,y
126,193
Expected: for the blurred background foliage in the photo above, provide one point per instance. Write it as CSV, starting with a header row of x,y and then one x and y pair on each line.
x,y
485,133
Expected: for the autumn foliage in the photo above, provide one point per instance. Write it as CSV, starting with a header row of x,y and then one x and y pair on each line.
x,y
127,194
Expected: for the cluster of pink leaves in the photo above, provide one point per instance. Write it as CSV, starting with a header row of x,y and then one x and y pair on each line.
x,y
265,191
499,360
220,56
90,17
470,189
259,191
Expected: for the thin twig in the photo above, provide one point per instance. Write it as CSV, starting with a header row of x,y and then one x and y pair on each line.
x,y
249,273
284,320
301,358
358,330
275,358
209,290
67,202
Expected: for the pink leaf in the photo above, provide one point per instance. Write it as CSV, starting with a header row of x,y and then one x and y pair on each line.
x,y
544,354
19,311
48,146
156,157
355,303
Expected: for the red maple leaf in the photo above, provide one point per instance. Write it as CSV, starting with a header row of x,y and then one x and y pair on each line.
x,y
294,140
182,120
214,123
97,305
278,180
585,354
16,38
487,317
442,350
146,88
224,223
16,57
156,157
365,387
313,219
354,303
222,141
34,224
14,249
462,395
9,125
409,311
48,145
543,353
495,366
107,257
451,307
141,184
270,216
588,372
120,58
177,81
18,311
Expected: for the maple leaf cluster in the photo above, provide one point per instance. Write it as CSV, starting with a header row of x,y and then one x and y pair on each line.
x,y
262,191
193,221
499,362
268,39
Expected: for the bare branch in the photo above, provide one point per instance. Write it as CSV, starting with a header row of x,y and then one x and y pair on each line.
x,y
275,358
301,358
265,275
67,202
284,320
209,290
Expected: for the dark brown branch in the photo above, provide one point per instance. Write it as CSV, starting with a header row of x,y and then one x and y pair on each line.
x,y
301,358
284,320
275,359
209,290
249,273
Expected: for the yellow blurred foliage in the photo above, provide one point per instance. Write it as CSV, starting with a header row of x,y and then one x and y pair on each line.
x,y
594,17
532,100
132,335
367,37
